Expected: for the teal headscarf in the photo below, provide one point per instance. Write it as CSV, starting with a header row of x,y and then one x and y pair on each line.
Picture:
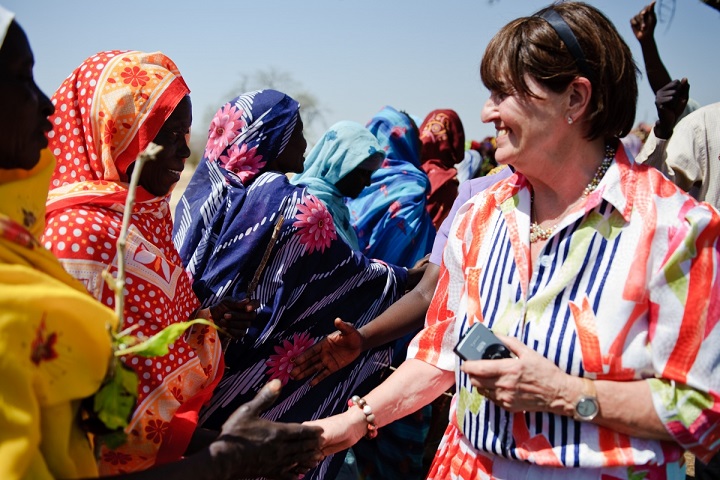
x,y
342,149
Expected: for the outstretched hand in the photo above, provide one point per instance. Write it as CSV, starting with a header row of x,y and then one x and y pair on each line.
x,y
415,274
330,354
670,102
250,446
233,316
643,24
341,431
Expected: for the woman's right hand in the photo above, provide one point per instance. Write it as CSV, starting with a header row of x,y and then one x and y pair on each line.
x,y
330,354
341,431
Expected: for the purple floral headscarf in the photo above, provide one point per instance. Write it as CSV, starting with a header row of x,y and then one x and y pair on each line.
x,y
249,130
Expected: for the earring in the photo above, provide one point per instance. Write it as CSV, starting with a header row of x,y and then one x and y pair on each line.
x,y
569,120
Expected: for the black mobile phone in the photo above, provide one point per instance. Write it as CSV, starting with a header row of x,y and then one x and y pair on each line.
x,y
480,343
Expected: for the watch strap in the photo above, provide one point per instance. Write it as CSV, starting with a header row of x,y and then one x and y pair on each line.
x,y
588,389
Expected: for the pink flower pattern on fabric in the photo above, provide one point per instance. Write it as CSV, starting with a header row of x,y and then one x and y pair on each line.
x,y
280,365
398,131
224,127
242,162
315,225
394,208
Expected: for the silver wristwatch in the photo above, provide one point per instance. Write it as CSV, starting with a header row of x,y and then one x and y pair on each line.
x,y
587,407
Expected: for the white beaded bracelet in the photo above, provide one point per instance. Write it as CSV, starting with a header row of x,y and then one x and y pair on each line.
x,y
369,415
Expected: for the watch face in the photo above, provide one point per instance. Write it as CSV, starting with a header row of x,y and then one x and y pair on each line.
x,y
587,408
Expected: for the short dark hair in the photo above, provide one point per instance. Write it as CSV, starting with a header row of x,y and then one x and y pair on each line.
x,y
530,46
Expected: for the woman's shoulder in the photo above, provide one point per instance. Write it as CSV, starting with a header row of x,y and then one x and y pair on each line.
x,y
673,206
27,293
274,184
83,233
476,185
275,178
84,221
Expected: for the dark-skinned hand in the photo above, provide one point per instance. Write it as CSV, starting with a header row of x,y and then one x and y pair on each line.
x,y
670,102
643,24
250,446
330,354
233,316
416,273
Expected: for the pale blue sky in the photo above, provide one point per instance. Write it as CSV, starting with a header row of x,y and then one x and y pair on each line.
x,y
354,56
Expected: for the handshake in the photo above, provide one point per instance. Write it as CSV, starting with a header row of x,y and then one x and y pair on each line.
x,y
249,446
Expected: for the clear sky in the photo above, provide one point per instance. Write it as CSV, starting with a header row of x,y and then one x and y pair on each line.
x,y
355,56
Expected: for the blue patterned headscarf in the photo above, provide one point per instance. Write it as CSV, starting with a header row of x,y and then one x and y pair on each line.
x,y
396,135
342,149
249,130
389,216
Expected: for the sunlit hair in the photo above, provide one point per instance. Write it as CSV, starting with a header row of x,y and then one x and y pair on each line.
x,y
530,46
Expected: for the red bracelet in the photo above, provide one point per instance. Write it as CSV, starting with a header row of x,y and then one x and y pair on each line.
x,y
372,429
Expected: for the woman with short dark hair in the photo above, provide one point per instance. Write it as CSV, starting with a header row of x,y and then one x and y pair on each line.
x,y
598,274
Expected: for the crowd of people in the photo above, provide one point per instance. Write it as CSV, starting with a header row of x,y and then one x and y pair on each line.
x,y
334,285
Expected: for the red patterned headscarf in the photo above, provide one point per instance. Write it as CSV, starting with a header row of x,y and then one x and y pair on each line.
x,y
443,145
106,112
98,132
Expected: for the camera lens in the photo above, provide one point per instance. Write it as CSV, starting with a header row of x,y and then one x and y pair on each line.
x,y
496,352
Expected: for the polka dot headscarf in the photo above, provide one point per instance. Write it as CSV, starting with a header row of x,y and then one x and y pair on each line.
x,y
99,131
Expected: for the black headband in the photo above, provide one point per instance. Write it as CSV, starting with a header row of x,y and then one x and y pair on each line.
x,y
568,37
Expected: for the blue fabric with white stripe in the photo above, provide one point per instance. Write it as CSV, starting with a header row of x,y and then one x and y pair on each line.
x,y
222,229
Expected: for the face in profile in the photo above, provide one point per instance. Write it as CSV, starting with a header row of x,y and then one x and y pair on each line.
x,y
159,176
293,157
525,125
25,108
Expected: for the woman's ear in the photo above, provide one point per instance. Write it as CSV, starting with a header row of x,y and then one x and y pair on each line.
x,y
580,91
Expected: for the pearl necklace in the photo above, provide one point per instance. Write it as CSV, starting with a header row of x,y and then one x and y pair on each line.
x,y
538,232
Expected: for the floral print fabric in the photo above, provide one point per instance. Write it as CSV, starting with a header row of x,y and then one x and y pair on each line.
x,y
257,123
223,228
54,341
623,290
315,225
106,112
249,130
